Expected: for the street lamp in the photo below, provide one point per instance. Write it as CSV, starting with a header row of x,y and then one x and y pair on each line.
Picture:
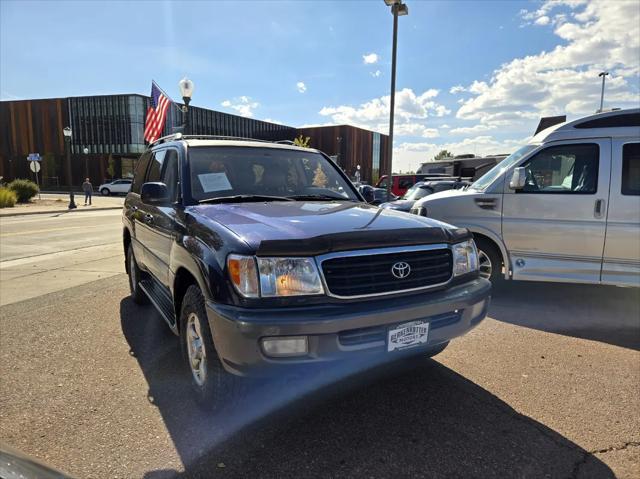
x,y
67,144
398,9
603,75
85,150
186,90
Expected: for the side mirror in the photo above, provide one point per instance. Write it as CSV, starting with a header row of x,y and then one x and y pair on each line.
x,y
154,193
518,178
368,194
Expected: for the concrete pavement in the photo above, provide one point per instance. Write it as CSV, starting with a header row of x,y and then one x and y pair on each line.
x,y
58,203
96,385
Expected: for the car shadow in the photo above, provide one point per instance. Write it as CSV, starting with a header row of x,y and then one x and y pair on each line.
x,y
607,314
410,418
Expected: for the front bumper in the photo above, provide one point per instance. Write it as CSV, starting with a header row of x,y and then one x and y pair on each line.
x,y
237,331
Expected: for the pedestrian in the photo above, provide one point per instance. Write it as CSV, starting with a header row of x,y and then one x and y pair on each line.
x,y
87,187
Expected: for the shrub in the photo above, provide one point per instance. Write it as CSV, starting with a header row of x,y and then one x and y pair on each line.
x,y
8,198
24,189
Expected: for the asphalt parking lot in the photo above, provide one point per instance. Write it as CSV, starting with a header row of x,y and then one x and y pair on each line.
x,y
95,385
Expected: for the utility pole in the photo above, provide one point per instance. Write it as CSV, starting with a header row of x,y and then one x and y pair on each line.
x,y
603,75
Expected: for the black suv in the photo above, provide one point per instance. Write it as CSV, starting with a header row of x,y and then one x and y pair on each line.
x,y
263,257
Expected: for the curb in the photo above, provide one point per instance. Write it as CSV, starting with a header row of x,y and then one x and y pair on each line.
x,y
29,213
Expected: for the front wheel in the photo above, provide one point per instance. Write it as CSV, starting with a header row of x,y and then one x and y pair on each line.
x,y
105,192
211,384
135,275
489,260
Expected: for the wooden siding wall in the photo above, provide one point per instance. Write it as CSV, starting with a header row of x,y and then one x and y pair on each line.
x,y
353,146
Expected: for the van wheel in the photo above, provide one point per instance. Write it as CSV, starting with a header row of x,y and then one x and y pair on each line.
x,y
135,275
213,387
489,260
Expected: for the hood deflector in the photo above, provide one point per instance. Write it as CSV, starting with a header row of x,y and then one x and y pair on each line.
x,y
354,240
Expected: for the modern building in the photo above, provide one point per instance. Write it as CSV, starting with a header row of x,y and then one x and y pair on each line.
x,y
110,128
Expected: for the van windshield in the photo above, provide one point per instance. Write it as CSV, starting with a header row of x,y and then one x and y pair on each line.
x,y
489,177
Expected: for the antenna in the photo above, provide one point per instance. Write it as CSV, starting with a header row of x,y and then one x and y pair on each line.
x,y
604,76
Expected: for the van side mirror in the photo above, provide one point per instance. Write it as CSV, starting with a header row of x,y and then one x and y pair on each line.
x,y
518,178
154,193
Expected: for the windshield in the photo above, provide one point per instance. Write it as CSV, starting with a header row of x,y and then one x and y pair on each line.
x,y
224,171
417,191
485,180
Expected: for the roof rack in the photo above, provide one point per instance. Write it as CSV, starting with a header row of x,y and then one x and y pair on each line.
x,y
180,136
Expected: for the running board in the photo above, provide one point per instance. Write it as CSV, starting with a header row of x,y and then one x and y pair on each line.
x,y
160,298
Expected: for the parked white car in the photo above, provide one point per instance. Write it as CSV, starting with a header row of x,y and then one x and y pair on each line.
x,y
565,207
115,187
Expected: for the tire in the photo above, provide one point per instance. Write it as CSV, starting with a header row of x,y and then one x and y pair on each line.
x,y
489,260
213,387
135,275
105,192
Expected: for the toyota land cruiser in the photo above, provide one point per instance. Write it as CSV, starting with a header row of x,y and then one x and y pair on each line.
x,y
263,257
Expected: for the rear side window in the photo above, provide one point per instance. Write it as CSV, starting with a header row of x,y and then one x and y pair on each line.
x,y
631,169
155,168
141,169
563,169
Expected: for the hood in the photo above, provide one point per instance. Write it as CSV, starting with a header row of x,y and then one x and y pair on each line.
x,y
400,205
449,194
311,228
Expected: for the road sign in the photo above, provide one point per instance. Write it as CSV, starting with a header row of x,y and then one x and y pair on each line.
x,y
34,157
35,166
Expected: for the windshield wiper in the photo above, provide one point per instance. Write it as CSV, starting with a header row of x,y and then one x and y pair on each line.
x,y
244,198
318,197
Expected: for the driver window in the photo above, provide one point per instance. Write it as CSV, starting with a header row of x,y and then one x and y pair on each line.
x,y
564,169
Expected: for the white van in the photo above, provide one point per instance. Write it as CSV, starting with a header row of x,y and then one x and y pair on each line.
x,y
565,207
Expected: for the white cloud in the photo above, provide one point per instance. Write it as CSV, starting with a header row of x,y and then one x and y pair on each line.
x,y
466,130
411,110
598,35
243,105
271,120
376,73
457,89
370,58
543,20
301,87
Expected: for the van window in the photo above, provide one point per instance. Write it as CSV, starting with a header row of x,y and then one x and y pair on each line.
x,y
141,169
563,169
631,169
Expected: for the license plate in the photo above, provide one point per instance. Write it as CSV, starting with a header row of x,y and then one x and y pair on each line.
x,y
407,335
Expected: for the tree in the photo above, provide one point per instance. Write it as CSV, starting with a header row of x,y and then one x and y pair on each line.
x,y
319,178
442,155
302,141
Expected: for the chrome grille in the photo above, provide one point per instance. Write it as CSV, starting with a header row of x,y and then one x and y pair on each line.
x,y
357,274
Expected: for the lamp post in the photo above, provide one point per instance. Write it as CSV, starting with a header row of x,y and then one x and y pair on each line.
x,y
603,75
186,90
398,9
85,150
67,146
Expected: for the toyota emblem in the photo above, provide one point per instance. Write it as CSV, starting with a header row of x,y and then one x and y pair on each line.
x,y
401,269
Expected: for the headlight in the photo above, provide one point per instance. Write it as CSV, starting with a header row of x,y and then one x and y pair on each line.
x,y
289,277
275,276
465,258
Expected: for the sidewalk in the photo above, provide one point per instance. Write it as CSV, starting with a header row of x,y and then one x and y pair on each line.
x,y
59,202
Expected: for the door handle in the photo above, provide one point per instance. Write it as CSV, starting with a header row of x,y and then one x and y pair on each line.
x,y
148,218
598,210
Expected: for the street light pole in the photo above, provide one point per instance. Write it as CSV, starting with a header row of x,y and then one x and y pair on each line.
x,y
186,89
397,9
85,150
603,75
67,144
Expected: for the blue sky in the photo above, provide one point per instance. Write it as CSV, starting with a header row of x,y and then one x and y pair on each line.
x,y
304,62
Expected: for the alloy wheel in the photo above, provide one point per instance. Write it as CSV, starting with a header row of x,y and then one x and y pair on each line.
x,y
196,349
484,265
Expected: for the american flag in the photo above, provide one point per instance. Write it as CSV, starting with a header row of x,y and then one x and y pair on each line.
x,y
156,114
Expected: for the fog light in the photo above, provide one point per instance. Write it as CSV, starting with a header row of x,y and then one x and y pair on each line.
x,y
477,309
285,346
